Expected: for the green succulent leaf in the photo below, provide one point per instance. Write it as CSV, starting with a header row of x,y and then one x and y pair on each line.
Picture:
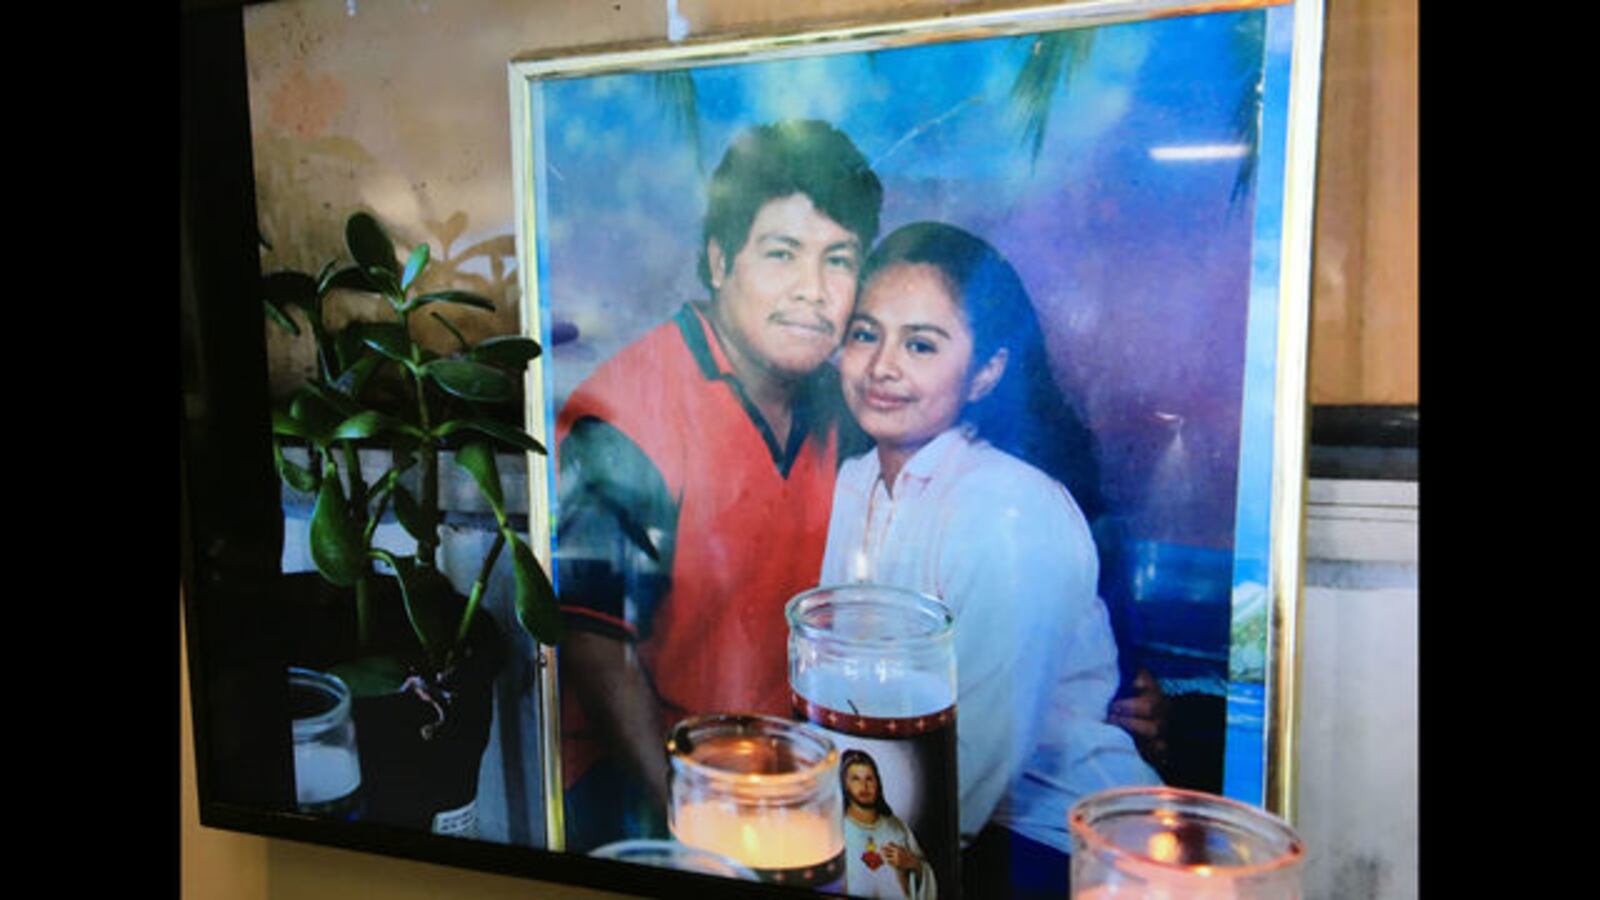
x,y
431,604
516,437
460,298
336,545
358,374
507,351
395,345
372,676
369,244
293,474
414,266
470,380
477,458
352,344
370,423
411,514
385,282
286,425
340,404
537,609
349,278
328,268
450,327
316,416
280,318
289,289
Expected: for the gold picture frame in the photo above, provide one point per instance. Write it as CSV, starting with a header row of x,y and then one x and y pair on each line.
x,y
1266,361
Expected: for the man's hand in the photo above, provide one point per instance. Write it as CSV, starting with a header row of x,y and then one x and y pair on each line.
x,y
1144,715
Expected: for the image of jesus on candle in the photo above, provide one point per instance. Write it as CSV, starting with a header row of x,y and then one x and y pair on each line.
x,y
882,857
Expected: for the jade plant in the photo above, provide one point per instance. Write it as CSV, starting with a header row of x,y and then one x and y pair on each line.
x,y
440,404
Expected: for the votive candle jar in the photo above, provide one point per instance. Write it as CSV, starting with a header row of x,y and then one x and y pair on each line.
x,y
760,790
874,666
1164,842
327,765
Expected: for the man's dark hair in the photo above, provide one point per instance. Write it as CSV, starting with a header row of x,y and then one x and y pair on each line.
x,y
770,162
862,758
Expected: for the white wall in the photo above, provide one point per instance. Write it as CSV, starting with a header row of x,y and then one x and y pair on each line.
x,y
1357,771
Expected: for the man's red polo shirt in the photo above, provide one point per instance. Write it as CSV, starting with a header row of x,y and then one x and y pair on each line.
x,y
750,528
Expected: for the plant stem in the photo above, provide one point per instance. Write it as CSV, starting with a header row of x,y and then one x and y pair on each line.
x,y
358,501
478,586
426,550
363,608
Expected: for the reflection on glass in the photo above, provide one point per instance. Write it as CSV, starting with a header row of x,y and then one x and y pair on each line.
x,y
673,855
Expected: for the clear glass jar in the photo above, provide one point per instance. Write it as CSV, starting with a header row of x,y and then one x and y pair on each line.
x,y
873,651
1162,842
673,855
327,766
875,668
761,790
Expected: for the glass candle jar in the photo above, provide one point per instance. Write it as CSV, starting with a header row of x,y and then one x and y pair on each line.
x,y
875,667
327,768
760,790
674,855
1165,842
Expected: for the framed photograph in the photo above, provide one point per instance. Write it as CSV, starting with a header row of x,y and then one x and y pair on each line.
x,y
773,269
996,318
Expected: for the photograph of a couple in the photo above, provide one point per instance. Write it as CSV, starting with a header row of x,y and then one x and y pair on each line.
x,y
969,318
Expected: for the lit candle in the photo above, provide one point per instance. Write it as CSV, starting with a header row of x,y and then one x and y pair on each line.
x,y
762,791
1169,844
759,838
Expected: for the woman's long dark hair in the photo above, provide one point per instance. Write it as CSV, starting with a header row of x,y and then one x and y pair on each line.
x,y
1025,414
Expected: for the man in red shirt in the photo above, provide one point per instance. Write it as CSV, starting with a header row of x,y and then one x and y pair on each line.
x,y
696,473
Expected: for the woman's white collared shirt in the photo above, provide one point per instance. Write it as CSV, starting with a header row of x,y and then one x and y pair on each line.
x,y
1007,548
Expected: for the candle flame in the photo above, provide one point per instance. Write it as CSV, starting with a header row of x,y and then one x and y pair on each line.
x,y
751,842
1163,847
1202,871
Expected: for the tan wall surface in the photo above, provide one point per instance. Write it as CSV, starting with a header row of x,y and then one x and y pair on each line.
x,y
1364,338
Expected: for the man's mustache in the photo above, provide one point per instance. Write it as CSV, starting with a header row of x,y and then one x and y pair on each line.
x,y
819,324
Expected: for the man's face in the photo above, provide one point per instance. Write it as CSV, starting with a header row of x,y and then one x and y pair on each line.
x,y
784,296
862,786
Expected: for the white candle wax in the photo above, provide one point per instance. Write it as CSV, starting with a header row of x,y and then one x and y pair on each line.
x,y
875,689
760,837
324,772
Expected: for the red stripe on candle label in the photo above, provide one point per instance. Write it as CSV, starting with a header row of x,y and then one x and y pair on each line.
x,y
871,726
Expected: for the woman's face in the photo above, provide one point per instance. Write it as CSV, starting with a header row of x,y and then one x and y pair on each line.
x,y
907,358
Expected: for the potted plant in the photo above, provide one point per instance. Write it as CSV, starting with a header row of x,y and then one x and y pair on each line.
x,y
418,658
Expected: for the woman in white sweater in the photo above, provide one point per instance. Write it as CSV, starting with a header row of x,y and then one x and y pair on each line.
x,y
974,493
